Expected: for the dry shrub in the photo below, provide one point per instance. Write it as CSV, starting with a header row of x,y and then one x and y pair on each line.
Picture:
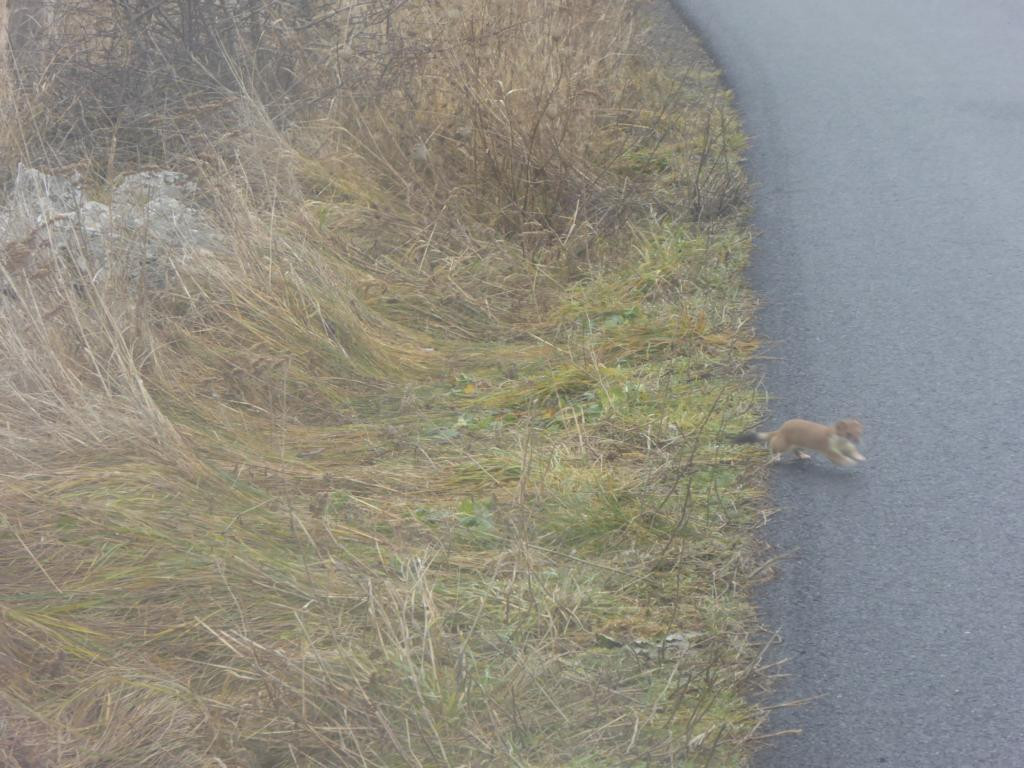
x,y
131,76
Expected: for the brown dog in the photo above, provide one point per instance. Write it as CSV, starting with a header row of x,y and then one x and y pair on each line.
x,y
838,443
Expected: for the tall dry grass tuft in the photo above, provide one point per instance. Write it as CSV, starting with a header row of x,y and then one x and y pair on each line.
x,y
75,359
389,475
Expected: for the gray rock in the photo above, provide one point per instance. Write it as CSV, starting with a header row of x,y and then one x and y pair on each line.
x,y
158,229
150,228
34,199
37,195
47,216
138,189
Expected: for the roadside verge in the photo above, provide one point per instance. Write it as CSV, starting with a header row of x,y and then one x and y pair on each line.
x,y
427,467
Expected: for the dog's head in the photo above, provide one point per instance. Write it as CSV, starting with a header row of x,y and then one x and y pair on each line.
x,y
851,429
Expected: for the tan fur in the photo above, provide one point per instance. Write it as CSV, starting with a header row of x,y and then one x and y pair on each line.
x,y
838,443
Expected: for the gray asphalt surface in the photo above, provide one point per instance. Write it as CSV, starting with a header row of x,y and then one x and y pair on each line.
x,y
888,158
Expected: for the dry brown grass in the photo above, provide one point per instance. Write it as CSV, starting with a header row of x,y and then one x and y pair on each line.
x,y
424,468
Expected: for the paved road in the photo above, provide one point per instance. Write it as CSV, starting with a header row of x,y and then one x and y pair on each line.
x,y
888,155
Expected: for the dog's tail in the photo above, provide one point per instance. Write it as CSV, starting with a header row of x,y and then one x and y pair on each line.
x,y
751,437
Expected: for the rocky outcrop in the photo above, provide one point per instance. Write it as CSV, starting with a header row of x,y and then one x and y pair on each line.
x,y
151,226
